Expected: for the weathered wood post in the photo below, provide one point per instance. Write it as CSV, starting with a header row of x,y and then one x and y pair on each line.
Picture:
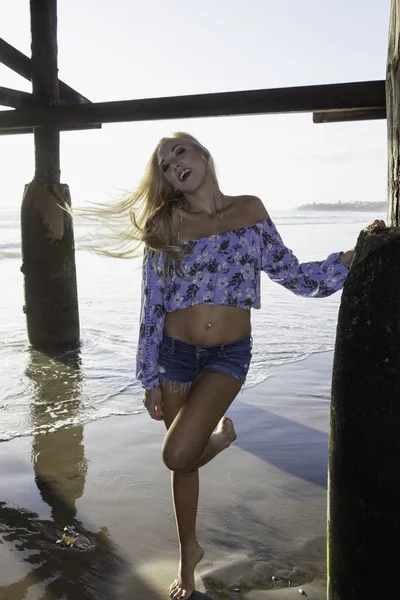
x,y
48,265
364,457
393,115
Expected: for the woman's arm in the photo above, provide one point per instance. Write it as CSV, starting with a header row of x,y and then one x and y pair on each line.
x,y
152,318
314,279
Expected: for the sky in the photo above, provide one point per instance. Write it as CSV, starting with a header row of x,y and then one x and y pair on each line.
x,y
124,50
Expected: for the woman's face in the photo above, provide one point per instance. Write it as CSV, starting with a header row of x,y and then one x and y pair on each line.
x,y
182,165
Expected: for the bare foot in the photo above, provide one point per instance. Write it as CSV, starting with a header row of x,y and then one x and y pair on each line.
x,y
183,586
226,432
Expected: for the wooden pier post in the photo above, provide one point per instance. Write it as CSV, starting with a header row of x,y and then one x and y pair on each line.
x,y
364,457
393,115
51,303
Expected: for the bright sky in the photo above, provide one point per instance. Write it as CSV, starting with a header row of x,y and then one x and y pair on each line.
x,y
124,50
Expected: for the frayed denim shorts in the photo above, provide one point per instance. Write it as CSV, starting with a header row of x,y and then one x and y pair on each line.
x,y
180,362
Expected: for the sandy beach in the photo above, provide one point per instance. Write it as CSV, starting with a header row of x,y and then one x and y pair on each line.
x,y
262,512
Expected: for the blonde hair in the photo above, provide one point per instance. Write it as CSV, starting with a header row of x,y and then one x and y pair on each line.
x,y
147,211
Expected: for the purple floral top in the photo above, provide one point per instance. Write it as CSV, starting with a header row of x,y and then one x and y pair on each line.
x,y
224,269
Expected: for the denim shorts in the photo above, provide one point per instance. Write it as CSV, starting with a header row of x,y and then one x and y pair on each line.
x,y
180,362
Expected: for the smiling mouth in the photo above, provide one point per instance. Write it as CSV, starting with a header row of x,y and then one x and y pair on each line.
x,y
185,174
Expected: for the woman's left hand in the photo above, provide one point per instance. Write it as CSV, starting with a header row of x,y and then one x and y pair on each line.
x,y
377,224
347,257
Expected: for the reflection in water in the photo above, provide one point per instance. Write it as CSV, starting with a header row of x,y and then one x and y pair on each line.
x,y
58,458
90,570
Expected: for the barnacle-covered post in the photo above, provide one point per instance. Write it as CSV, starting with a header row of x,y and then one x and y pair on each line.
x,y
364,457
47,234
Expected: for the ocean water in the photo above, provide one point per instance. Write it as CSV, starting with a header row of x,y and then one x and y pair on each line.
x,y
41,394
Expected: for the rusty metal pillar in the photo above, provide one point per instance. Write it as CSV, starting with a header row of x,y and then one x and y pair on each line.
x,y
48,256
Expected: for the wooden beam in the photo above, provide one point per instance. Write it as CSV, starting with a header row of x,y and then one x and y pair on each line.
x,y
29,130
48,256
341,116
15,98
21,64
45,87
364,449
393,115
340,96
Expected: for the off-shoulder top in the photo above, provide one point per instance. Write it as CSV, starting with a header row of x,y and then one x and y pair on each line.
x,y
224,269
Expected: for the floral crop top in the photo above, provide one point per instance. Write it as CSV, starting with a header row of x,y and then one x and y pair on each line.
x,y
224,269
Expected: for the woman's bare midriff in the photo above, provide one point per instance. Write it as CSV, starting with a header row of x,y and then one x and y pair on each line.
x,y
228,324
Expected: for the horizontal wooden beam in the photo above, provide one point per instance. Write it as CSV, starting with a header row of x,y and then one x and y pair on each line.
x,y
340,96
340,116
21,131
16,98
21,64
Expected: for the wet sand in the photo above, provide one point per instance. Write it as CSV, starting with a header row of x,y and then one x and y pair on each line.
x,y
262,512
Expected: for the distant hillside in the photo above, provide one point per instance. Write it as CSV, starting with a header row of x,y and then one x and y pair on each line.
x,y
367,206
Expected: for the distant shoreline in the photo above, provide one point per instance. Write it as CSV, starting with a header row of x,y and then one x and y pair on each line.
x,y
338,206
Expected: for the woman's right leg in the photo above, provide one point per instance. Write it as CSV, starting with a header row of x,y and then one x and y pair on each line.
x,y
185,493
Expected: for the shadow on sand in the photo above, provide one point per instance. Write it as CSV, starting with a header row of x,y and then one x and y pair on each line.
x,y
292,447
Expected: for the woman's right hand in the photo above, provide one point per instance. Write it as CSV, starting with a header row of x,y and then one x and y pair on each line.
x,y
154,403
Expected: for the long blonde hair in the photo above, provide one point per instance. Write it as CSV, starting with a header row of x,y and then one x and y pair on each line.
x,y
145,215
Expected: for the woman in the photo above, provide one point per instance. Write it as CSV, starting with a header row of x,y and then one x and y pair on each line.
x,y
201,276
